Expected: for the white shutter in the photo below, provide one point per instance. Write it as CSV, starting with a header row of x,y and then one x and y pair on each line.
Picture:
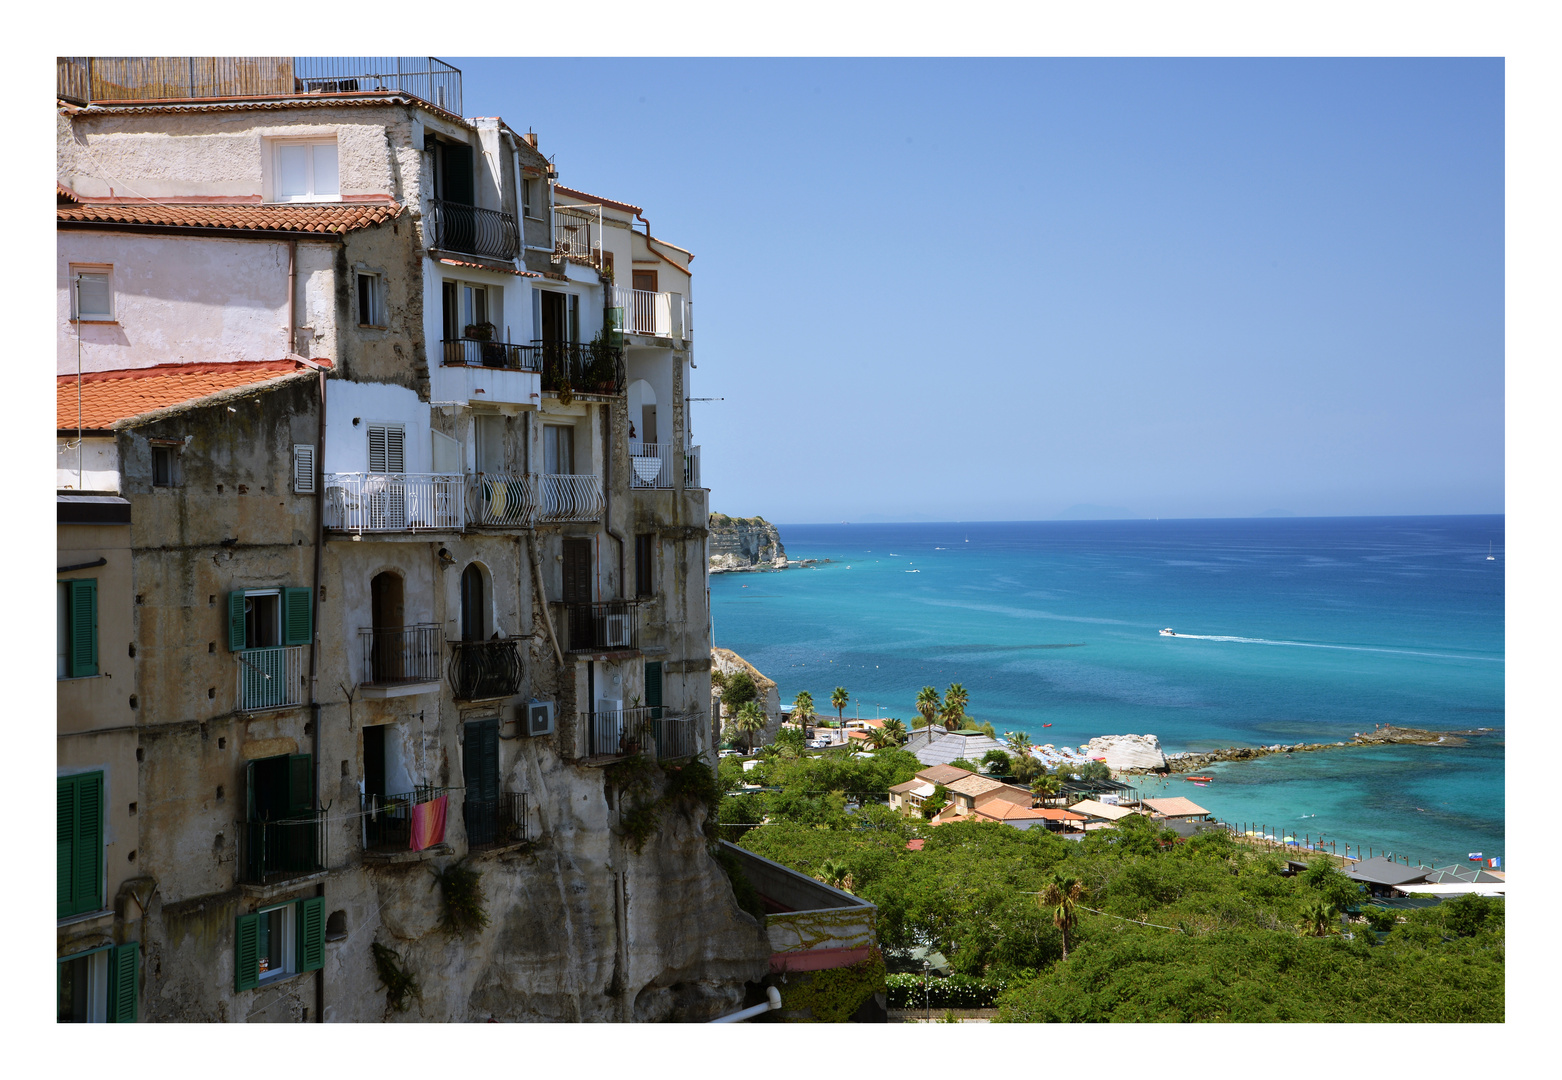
x,y
376,448
304,469
325,169
395,458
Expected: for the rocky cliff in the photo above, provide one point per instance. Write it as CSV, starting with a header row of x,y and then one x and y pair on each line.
x,y
730,663
1127,751
744,544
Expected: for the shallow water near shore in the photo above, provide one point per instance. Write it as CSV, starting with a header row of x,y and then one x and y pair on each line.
x,y
1300,629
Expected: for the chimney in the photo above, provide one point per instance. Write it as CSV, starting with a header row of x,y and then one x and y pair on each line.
x,y
531,139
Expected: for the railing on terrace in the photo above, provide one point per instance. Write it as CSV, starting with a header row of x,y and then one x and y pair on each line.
x,y
501,499
387,819
577,233
88,79
691,467
651,465
571,497
491,822
672,736
610,734
474,230
485,669
470,352
655,314
584,367
400,654
285,848
270,678
394,502
601,627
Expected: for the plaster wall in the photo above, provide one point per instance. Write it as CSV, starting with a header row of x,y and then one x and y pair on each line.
x,y
100,701
93,465
347,443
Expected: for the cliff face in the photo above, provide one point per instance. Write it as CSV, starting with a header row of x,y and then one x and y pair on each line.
x,y
744,543
730,663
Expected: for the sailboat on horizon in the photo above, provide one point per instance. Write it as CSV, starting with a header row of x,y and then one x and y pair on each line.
x,y
1489,556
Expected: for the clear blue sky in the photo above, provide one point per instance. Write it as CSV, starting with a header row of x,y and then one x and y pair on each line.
x,y
1009,289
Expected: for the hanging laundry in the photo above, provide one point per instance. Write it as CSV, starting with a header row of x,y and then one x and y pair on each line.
x,y
428,823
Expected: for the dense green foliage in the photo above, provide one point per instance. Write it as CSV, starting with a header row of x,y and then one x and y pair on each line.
x,y
833,995
399,983
908,991
1229,937
738,689
461,891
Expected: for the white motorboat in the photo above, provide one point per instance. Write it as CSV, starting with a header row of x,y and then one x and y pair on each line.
x,y
1168,632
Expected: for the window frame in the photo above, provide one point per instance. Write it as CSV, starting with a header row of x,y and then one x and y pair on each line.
x,y
171,454
81,603
104,270
386,427
375,296
313,195
288,948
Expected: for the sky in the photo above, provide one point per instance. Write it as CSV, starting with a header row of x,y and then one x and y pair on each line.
x,y
1032,289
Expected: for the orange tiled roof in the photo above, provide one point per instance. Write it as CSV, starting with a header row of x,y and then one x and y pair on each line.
x,y
108,397
327,218
64,194
943,774
974,785
1001,810
628,208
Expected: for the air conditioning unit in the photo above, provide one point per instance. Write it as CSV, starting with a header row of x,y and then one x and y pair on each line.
x,y
538,718
615,632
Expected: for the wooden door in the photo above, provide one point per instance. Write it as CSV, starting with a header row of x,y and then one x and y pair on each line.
x,y
577,570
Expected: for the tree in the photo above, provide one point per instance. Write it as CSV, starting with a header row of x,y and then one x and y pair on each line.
x,y
955,701
1019,743
838,698
880,739
1046,786
835,874
750,719
1062,895
1093,770
997,763
790,740
967,764
1318,918
896,730
803,709
935,802
927,705
739,690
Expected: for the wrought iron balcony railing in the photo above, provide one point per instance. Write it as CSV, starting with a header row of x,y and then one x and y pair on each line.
x,y
400,654
387,819
622,731
473,230
394,502
572,497
501,499
281,849
584,367
485,669
469,352
577,233
602,627
270,678
491,822
672,736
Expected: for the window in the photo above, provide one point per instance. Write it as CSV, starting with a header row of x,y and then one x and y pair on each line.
x,y
164,462
306,172
371,300
645,546
279,941
265,618
574,317
653,688
527,196
304,469
99,986
387,446
474,306
92,293
558,449
79,844
474,605
488,437
76,628
644,280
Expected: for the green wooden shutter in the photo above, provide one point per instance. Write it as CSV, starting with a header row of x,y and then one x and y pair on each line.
x,y
246,953
311,934
87,846
653,687
65,843
123,962
300,785
84,627
236,620
296,617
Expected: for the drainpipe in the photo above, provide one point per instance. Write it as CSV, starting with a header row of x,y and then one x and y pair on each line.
x,y
774,1002
292,290
607,488
314,622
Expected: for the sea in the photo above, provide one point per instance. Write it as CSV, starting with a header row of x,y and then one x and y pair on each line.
x,y
1287,630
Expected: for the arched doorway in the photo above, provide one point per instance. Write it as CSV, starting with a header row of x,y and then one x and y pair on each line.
x,y
388,618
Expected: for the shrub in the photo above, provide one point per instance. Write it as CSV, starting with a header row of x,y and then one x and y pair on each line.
x,y
739,688
462,891
912,991
399,983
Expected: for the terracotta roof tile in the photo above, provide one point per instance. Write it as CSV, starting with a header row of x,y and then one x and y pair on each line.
x,y
974,785
588,197
1000,810
327,218
943,774
64,194
108,397
485,266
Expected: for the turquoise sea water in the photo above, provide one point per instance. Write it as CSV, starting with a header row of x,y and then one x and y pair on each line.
x,y
1289,629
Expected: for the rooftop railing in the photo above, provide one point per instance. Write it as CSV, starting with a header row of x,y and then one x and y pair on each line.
x,y
473,230
654,314
90,79
577,234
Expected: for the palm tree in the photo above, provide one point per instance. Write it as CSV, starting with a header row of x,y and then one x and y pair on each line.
x,y
835,875
1318,918
927,705
879,738
895,730
838,698
1045,787
1062,895
955,701
803,709
750,718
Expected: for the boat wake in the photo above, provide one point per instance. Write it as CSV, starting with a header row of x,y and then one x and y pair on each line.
x,y
1345,648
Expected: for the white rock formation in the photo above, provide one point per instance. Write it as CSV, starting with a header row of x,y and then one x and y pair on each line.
x,y
1127,751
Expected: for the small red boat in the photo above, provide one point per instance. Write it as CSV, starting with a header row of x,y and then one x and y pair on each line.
x,y
1199,779
1046,725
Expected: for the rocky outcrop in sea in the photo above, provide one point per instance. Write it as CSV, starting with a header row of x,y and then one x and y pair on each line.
x,y
744,544
1124,752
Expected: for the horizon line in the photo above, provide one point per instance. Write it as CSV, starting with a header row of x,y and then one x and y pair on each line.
x,y
1102,521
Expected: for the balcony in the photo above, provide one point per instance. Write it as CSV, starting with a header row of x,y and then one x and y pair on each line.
x,y
592,367
90,79
491,372
609,626
571,497
495,822
288,848
672,737
469,352
577,234
485,669
473,230
271,678
400,659
691,467
654,314
387,819
651,465
613,734
394,502
501,499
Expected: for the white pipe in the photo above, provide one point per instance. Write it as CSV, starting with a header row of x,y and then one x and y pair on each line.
x,y
774,1003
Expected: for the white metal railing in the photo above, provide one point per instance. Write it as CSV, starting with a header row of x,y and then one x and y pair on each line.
x,y
651,465
501,499
271,678
691,467
394,502
577,233
571,497
657,314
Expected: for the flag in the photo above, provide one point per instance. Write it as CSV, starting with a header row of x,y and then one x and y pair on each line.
x,y
1475,856
428,824
1495,862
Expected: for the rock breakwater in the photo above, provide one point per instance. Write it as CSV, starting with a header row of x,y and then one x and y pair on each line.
x,y
1385,734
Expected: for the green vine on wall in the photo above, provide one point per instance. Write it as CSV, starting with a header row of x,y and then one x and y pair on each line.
x,y
462,891
687,784
834,995
399,983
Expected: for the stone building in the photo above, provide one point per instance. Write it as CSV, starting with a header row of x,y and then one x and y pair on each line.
x,y
401,517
